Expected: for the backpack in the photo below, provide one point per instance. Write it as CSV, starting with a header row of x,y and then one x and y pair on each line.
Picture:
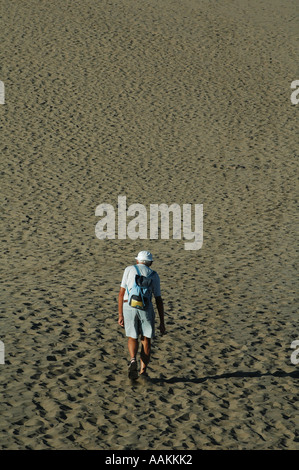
x,y
140,294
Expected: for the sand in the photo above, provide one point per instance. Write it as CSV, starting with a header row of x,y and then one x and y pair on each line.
x,y
183,102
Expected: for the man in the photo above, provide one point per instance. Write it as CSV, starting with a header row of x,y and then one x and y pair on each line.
x,y
137,321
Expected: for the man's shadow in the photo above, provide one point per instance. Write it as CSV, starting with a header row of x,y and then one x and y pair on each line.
x,y
228,375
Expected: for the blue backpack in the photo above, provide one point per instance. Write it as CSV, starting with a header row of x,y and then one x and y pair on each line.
x,y
141,292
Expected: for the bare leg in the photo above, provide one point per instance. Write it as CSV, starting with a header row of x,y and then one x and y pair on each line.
x,y
145,353
133,347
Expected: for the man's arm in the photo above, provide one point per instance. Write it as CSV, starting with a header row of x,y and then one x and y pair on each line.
x,y
120,306
160,307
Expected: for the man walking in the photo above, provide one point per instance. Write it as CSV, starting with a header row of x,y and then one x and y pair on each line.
x,y
137,321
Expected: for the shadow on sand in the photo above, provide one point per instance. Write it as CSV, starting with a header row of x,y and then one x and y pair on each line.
x,y
228,375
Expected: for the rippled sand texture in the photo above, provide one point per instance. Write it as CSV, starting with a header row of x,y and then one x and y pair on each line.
x,y
173,101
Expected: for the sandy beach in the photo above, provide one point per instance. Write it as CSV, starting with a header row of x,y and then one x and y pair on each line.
x,y
183,102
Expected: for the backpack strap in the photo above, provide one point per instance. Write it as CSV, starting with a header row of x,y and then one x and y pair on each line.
x,y
137,269
141,293
138,272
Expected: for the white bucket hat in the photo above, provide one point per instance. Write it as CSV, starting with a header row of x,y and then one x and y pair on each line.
x,y
144,256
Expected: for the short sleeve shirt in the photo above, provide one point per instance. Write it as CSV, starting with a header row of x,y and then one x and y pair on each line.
x,y
129,279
